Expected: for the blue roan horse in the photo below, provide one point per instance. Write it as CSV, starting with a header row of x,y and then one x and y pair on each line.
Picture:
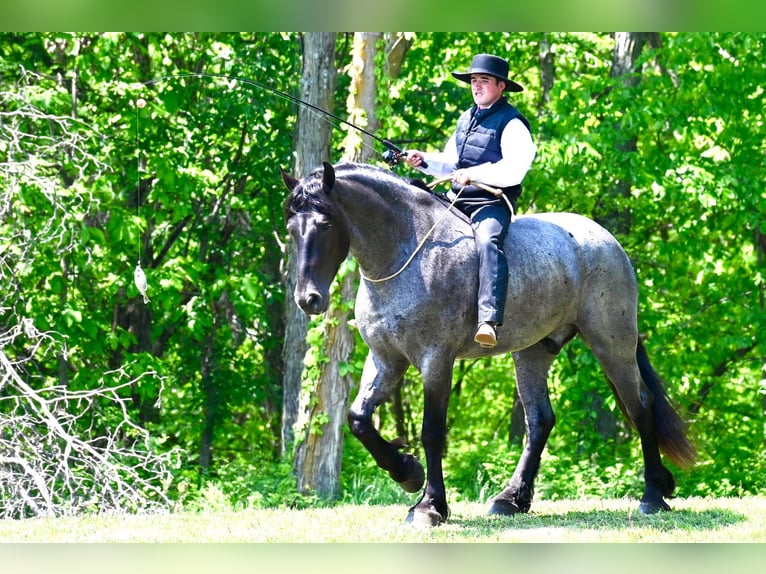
x,y
568,276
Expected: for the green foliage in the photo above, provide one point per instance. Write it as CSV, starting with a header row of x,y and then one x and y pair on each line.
x,y
185,185
189,187
246,485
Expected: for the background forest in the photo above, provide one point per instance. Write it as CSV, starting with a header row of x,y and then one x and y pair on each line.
x,y
195,397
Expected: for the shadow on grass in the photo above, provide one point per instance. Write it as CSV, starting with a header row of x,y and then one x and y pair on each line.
x,y
598,519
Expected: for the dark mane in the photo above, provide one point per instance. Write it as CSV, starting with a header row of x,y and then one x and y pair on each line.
x,y
308,196
363,171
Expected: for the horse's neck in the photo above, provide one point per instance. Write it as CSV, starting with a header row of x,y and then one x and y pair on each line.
x,y
384,224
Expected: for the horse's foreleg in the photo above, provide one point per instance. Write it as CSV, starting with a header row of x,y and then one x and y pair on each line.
x,y
531,378
378,378
432,508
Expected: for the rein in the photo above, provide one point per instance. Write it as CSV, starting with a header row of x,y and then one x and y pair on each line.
x,y
494,191
422,241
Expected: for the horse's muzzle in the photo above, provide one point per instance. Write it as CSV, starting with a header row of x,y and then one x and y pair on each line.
x,y
312,302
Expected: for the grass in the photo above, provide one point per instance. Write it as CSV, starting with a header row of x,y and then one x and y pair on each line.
x,y
692,520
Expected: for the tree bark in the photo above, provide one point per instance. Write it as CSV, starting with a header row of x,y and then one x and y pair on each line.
x,y
211,402
397,45
312,147
627,49
546,71
318,457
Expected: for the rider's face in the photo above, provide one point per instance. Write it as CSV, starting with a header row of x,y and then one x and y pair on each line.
x,y
486,89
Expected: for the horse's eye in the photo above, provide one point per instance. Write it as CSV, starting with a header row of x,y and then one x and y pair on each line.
x,y
324,225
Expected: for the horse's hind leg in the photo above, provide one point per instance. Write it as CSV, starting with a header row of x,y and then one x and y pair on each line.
x,y
617,356
378,378
532,366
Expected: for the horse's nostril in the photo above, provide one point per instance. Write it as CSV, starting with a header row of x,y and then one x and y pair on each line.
x,y
312,304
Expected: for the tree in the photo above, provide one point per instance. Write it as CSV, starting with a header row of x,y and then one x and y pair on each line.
x,y
313,136
319,455
198,209
311,460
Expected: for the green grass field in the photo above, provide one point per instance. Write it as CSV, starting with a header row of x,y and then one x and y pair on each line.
x,y
692,520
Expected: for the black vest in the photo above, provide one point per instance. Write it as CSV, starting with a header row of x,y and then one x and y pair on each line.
x,y
478,137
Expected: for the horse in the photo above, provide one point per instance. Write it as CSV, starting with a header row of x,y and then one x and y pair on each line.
x,y
416,305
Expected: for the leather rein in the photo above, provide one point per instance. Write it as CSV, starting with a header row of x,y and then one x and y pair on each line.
x,y
494,191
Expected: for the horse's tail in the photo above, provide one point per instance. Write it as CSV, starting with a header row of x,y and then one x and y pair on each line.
x,y
670,428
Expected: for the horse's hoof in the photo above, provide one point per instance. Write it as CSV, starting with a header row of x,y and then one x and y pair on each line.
x,y
416,478
653,508
502,507
425,518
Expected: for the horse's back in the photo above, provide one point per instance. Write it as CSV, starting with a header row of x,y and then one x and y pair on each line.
x,y
562,266
569,240
600,257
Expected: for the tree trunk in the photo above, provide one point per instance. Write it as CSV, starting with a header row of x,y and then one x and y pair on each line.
x,y
627,48
318,457
546,71
210,403
360,103
312,147
397,45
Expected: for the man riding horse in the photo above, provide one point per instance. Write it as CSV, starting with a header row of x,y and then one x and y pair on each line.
x,y
492,145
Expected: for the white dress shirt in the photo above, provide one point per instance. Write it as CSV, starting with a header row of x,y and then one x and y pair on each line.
x,y
518,153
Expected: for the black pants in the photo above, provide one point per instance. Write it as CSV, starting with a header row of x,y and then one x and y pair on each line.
x,y
490,226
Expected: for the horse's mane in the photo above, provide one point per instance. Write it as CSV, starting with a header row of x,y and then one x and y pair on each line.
x,y
308,196
364,171
394,182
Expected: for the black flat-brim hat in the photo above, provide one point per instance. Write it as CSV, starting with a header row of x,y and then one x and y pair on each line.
x,y
492,65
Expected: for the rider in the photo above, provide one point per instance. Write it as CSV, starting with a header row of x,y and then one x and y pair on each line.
x,y
492,145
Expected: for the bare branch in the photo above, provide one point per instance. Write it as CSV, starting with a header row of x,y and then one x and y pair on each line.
x,y
62,451
54,461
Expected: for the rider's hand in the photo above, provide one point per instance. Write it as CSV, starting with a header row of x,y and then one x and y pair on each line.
x,y
461,177
414,158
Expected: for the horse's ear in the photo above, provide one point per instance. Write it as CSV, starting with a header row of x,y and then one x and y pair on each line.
x,y
289,180
328,177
